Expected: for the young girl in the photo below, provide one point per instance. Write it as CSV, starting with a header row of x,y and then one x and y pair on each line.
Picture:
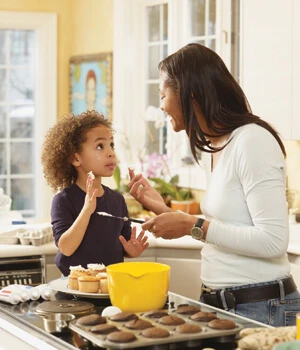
x,y
78,151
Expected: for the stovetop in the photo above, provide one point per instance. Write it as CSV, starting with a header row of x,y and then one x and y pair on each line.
x,y
27,313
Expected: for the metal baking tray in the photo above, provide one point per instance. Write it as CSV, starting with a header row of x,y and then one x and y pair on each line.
x,y
191,339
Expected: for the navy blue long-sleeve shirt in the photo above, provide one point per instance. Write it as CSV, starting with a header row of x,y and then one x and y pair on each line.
x,y
101,242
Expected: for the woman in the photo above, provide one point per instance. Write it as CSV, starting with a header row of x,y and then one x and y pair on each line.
x,y
245,268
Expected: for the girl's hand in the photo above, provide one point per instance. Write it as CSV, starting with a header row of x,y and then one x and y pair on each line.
x,y
144,193
90,201
135,246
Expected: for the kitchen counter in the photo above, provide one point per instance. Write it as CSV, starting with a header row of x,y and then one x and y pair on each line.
x,y
7,250
186,242
16,250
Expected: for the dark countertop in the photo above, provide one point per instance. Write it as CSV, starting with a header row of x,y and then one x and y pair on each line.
x,y
23,317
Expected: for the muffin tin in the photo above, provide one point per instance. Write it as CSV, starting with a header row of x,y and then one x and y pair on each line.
x,y
188,339
35,234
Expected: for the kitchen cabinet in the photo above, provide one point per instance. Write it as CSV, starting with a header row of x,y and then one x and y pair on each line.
x,y
185,276
185,271
51,270
270,62
295,271
147,255
295,268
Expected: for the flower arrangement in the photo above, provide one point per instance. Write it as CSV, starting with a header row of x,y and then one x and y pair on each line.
x,y
158,171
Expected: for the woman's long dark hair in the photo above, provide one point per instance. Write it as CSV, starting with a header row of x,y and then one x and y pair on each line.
x,y
200,75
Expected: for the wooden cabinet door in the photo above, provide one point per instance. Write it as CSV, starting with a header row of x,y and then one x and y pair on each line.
x,y
185,276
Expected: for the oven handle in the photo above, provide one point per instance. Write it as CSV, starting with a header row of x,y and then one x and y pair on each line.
x,y
3,262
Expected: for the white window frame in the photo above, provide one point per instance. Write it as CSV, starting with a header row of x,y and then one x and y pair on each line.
x,y
129,78
45,27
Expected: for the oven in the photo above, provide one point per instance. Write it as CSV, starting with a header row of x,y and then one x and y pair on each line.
x,y
26,270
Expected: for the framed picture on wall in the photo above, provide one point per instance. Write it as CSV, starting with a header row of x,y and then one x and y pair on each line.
x,y
91,84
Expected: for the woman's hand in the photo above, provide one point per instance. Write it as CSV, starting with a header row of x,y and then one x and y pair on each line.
x,y
90,201
170,225
144,193
136,245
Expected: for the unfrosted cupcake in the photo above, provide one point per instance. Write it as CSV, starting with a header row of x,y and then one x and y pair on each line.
x,y
94,269
89,284
103,282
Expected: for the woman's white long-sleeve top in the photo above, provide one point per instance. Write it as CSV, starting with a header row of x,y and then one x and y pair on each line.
x,y
246,203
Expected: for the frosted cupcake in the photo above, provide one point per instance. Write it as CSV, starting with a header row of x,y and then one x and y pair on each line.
x,y
75,272
94,269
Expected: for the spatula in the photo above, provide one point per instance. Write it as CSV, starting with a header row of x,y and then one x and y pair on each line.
x,y
125,218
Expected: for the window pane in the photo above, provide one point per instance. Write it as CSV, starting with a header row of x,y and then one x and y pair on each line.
x,y
197,16
202,42
154,59
3,84
21,121
2,47
152,139
211,43
2,122
3,185
3,166
22,194
165,51
21,158
212,17
22,47
17,116
152,95
21,85
165,24
153,23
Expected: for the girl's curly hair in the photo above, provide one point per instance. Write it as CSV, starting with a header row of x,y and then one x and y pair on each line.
x,y
62,142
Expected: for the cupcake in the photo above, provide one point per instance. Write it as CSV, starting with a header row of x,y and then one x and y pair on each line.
x,y
76,271
89,284
103,282
94,269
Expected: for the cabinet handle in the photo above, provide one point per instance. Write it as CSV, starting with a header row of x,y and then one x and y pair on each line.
x,y
225,36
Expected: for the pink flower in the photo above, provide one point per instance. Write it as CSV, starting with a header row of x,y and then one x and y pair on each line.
x,y
157,165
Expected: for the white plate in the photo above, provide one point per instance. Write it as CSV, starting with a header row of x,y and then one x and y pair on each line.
x,y
61,285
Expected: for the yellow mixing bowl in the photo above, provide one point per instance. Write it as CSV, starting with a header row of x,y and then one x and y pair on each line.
x,y
138,286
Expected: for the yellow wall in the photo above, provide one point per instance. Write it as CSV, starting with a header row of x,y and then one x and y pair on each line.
x,y
84,26
92,26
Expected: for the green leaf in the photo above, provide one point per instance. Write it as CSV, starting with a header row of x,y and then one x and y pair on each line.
x,y
164,187
171,189
174,180
185,194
